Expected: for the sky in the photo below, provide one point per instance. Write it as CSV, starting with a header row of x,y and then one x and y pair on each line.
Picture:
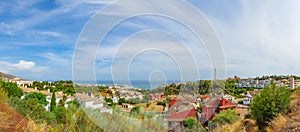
x,y
38,39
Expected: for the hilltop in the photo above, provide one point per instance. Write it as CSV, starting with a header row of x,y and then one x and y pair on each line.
x,y
6,76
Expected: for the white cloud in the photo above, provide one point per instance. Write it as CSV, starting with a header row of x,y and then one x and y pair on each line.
x,y
24,65
261,38
21,66
58,60
49,33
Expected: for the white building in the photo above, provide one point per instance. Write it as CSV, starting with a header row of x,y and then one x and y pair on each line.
x,y
88,102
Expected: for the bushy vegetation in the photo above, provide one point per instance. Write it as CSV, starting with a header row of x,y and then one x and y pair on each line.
x,y
11,89
204,87
31,108
136,111
269,103
66,86
40,97
224,118
190,123
161,103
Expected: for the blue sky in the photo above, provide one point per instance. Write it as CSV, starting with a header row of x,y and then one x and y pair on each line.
x,y
38,39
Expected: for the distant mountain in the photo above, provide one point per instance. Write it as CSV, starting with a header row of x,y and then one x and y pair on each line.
x,y
5,76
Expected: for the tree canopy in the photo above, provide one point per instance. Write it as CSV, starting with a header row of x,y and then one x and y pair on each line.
x,y
269,103
225,117
191,125
11,89
39,96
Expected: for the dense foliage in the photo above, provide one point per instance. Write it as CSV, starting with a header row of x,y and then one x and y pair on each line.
x,y
40,97
135,111
190,123
31,108
271,101
64,86
122,100
11,89
204,87
224,117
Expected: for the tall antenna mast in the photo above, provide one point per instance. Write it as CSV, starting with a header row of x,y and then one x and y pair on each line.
x,y
215,74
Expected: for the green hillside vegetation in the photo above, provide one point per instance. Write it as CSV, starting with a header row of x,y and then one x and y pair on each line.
x,y
73,118
66,86
204,87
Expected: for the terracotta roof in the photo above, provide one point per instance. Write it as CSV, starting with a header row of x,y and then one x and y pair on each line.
x,y
224,103
180,116
172,102
212,103
28,90
206,97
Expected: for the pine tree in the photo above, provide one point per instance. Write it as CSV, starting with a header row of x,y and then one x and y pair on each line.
x,y
53,103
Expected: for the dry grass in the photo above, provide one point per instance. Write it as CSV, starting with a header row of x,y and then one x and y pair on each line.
x,y
34,127
291,121
10,120
250,125
295,103
277,123
235,127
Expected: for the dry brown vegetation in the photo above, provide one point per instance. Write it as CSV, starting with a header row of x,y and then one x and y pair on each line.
x,y
289,122
282,123
10,120
235,127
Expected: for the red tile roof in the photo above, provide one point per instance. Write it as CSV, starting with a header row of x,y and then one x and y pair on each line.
x,y
224,103
215,105
172,102
180,116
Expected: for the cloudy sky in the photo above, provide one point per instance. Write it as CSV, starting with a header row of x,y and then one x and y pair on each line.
x,y
38,39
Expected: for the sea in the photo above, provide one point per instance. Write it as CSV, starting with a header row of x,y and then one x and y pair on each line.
x,y
145,84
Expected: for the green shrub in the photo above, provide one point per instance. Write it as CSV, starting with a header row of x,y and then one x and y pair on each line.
x,y
225,117
269,103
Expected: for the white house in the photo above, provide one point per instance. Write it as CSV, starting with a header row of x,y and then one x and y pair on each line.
x,y
87,101
229,97
250,95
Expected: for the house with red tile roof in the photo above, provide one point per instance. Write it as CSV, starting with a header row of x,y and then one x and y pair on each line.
x,y
175,119
215,106
179,109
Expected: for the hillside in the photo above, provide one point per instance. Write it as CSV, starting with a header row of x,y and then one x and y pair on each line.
x,y
290,122
8,76
11,120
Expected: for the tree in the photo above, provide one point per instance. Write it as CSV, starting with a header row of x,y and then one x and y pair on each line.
x,y
190,123
31,108
269,103
12,89
122,100
60,114
61,103
225,117
53,102
108,100
73,103
135,111
161,103
39,96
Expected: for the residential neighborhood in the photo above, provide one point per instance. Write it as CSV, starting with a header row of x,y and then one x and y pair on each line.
x,y
173,108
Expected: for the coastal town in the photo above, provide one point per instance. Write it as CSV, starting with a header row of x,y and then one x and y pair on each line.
x,y
173,107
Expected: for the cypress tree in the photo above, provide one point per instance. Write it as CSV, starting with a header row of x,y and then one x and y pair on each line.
x,y
53,103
